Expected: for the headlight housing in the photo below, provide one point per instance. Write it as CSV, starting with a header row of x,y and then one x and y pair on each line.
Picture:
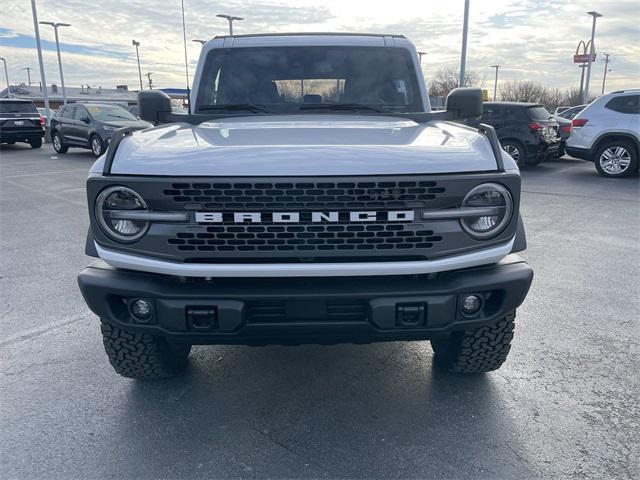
x,y
497,206
110,203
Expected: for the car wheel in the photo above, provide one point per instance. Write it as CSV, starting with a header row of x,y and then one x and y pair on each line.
x,y
616,159
35,142
58,146
516,151
97,145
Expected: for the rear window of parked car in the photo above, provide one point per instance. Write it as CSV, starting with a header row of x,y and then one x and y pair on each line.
x,y
17,107
538,113
624,104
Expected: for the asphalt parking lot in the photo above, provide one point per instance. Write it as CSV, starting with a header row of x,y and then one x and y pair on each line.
x,y
565,405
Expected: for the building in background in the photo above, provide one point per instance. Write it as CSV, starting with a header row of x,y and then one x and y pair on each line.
x,y
120,95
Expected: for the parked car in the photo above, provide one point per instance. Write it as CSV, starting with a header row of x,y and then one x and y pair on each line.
x,y
564,130
526,131
134,110
20,122
560,110
89,125
571,112
607,132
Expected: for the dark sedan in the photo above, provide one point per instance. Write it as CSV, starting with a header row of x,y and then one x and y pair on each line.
x,y
89,125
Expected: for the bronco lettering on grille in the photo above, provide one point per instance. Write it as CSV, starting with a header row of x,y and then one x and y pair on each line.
x,y
305,217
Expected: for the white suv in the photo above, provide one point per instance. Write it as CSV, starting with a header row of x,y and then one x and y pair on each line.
x,y
607,132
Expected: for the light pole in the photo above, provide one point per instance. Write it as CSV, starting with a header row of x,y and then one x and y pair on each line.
x,y
230,19
150,82
28,69
420,54
6,76
197,40
606,65
465,31
137,44
55,26
495,83
592,50
45,94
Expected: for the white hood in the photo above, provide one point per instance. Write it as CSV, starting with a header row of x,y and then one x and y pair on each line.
x,y
304,145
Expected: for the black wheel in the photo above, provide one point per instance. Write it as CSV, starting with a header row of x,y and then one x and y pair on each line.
x,y
142,356
616,158
36,142
516,150
97,145
477,350
58,146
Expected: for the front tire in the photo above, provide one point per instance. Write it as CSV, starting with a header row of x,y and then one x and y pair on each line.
x,y
36,142
476,350
616,159
58,146
516,150
97,145
143,356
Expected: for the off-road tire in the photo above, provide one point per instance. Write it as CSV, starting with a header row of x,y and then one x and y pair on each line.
x,y
36,142
142,356
476,350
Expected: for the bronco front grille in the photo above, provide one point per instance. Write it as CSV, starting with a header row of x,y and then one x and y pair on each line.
x,y
309,195
305,238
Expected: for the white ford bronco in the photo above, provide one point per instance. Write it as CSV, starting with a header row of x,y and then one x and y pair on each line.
x,y
308,196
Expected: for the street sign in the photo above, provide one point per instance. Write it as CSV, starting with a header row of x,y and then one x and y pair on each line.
x,y
583,58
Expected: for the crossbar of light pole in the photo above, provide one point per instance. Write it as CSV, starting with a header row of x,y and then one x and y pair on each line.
x,y
55,26
230,19
197,40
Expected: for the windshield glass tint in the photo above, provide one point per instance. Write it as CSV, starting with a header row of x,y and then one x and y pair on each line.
x,y
284,79
108,112
538,113
17,107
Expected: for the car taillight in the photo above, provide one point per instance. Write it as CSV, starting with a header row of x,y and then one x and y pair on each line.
x,y
534,126
579,122
41,120
566,128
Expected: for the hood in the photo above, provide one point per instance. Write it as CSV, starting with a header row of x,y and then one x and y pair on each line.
x,y
302,145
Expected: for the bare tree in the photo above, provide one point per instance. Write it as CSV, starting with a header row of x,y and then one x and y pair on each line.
x,y
446,79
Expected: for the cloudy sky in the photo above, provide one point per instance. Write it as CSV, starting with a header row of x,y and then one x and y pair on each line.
x,y
531,39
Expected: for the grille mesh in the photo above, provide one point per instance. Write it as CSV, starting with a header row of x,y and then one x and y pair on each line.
x,y
308,195
305,238
332,311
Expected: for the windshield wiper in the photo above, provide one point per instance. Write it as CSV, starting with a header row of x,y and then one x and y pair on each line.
x,y
236,107
342,106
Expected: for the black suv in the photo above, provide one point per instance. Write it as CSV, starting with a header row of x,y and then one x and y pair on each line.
x,y
89,125
526,131
20,122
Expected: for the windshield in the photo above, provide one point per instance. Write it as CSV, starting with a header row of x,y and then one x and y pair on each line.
x,y
109,112
294,79
538,113
17,107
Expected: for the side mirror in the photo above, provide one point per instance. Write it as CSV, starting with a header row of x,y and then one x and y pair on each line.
x,y
153,104
86,120
465,102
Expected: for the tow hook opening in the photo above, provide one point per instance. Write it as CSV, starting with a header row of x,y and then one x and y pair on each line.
x,y
410,315
202,318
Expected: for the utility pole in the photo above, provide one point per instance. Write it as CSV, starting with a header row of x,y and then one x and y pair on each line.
x,y
28,69
45,94
606,65
55,28
495,83
230,19
465,31
150,82
595,15
137,44
6,76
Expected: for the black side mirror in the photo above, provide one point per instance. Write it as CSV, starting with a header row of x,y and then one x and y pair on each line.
x,y
152,104
86,120
465,102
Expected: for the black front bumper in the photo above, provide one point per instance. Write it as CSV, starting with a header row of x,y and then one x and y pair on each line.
x,y
305,310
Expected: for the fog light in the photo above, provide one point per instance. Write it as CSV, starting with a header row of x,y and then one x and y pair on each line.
x,y
471,304
141,309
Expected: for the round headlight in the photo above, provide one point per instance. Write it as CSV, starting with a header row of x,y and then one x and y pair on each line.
x,y
494,205
111,205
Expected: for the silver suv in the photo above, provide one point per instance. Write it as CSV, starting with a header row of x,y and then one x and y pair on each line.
x,y
607,132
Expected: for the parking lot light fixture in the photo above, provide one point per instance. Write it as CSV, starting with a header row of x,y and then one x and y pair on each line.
x,y
197,40
55,26
230,19
150,81
28,69
137,44
6,76
592,50
495,83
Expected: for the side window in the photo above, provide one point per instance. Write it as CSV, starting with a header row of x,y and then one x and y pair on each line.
x,y
510,114
491,114
81,114
68,112
624,104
